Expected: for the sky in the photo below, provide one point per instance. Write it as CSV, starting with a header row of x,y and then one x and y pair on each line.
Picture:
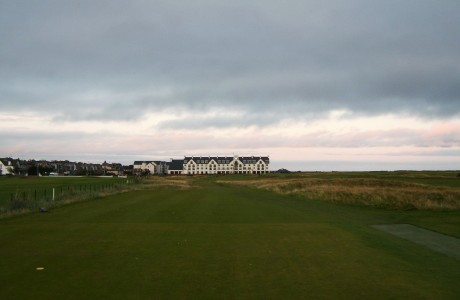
x,y
316,85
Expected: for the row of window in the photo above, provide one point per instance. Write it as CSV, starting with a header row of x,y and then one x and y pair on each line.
x,y
227,172
221,161
225,168
219,164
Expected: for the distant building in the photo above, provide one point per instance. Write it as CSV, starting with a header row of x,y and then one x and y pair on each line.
x,y
201,165
32,167
226,165
151,167
113,169
176,167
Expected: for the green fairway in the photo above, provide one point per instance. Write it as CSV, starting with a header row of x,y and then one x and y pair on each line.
x,y
219,241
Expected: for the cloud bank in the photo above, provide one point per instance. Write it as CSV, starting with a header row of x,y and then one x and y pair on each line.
x,y
177,68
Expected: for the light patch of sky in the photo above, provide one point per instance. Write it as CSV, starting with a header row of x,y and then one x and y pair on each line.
x,y
335,123
328,139
339,120
381,154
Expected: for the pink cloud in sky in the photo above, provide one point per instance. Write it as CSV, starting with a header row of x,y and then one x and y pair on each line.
x,y
444,128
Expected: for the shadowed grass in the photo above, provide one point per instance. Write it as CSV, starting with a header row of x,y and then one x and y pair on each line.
x,y
217,242
188,237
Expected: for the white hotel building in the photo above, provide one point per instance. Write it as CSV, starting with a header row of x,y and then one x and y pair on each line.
x,y
226,165
202,165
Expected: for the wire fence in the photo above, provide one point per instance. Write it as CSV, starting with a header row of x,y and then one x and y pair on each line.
x,y
49,196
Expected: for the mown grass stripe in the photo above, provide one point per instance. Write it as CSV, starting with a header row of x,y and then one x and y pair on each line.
x,y
435,241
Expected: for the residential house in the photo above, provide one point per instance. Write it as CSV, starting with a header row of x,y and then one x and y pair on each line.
x,y
151,167
113,169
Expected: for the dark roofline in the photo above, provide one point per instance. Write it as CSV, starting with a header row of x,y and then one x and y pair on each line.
x,y
198,159
176,165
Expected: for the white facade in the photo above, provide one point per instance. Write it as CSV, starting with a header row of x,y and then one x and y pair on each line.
x,y
194,165
226,165
153,167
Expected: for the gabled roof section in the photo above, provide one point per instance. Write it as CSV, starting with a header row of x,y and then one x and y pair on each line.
x,y
6,161
208,159
254,159
157,162
140,162
226,159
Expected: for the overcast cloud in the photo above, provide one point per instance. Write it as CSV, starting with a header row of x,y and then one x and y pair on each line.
x,y
243,64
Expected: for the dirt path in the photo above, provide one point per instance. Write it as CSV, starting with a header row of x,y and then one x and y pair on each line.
x,y
435,241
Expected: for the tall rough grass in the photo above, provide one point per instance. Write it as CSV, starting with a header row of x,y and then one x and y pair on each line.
x,y
363,191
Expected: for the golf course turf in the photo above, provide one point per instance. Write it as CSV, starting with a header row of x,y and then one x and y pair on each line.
x,y
221,241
